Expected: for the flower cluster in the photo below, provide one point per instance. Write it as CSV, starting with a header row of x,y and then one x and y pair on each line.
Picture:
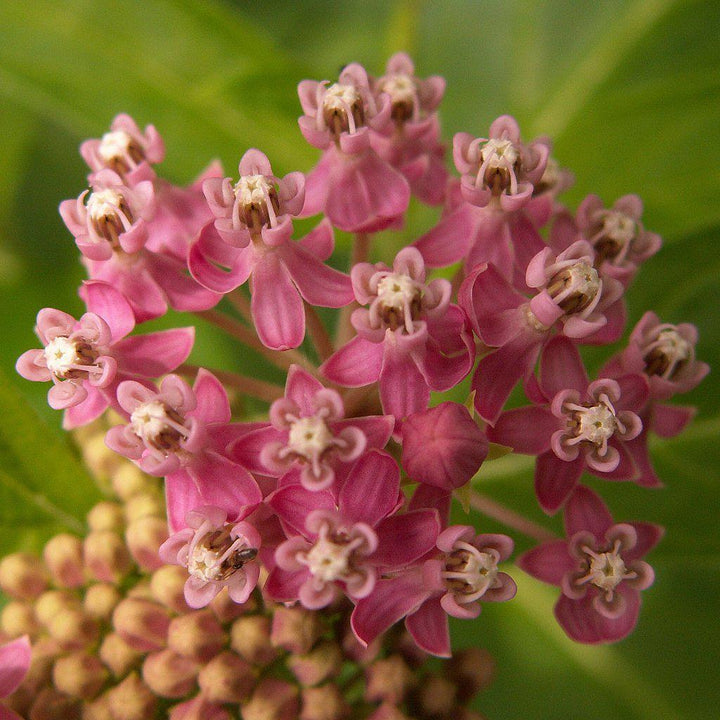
x,y
341,496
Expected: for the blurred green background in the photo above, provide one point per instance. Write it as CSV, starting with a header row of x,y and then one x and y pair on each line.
x,y
630,92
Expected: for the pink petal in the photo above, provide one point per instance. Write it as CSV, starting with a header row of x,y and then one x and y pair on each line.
x,y
319,241
586,511
31,365
370,492
86,411
429,628
491,243
670,420
355,364
548,562
526,430
277,308
403,539
403,389
293,503
212,401
182,291
216,265
154,354
555,479
301,387
449,240
14,663
648,536
318,283
104,300
561,368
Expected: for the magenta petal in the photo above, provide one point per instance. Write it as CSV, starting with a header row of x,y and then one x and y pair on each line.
x,y
318,283
370,492
355,364
216,265
181,496
104,300
283,585
449,240
561,367
586,511
390,601
86,411
247,449
277,308
526,430
301,387
14,663
548,562
182,291
670,420
648,536
156,353
555,479
579,619
403,389
292,503
320,241
212,401
429,628
418,529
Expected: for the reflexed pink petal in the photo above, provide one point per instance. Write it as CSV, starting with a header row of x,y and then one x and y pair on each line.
x,y
648,536
31,365
370,492
318,283
284,586
182,291
319,241
561,367
548,562
216,265
154,354
579,619
427,496
293,503
555,479
212,405
526,430
429,628
199,593
405,538
301,387
491,243
586,511
670,420
86,411
14,663
277,308
66,394
355,364
377,429
449,240
104,300
403,389
247,449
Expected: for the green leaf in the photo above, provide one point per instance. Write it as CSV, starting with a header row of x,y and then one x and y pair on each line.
x,y
44,488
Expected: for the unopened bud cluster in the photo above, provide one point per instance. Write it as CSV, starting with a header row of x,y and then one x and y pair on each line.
x,y
114,639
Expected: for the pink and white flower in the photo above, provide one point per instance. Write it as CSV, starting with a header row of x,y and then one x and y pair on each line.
x,y
598,568
410,339
14,663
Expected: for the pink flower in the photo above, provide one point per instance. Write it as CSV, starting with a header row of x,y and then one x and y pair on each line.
x,y
454,582
113,217
598,569
258,204
410,339
308,431
414,148
571,298
181,433
338,546
579,426
619,238
86,359
356,189
442,446
217,554
125,150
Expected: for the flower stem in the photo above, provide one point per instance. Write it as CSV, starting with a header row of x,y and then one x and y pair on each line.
x,y
318,333
269,392
510,518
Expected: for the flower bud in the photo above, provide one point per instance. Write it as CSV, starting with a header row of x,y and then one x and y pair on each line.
x,y
51,704
118,655
319,664
128,480
323,703
80,675
197,635
132,699
106,516
168,674
436,696
389,679
22,576
106,556
272,700
199,708
64,560
73,629
98,709
18,618
144,504
144,537
100,601
361,654
227,678
295,629
53,603
226,609
388,711
167,587
472,669
142,624
250,638
44,653
98,457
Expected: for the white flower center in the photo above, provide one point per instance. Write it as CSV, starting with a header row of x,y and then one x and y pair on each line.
x,y
61,355
104,203
596,424
327,560
253,189
499,153
619,227
149,420
400,88
671,344
470,572
114,145
575,287
607,570
397,291
216,556
310,437
340,97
